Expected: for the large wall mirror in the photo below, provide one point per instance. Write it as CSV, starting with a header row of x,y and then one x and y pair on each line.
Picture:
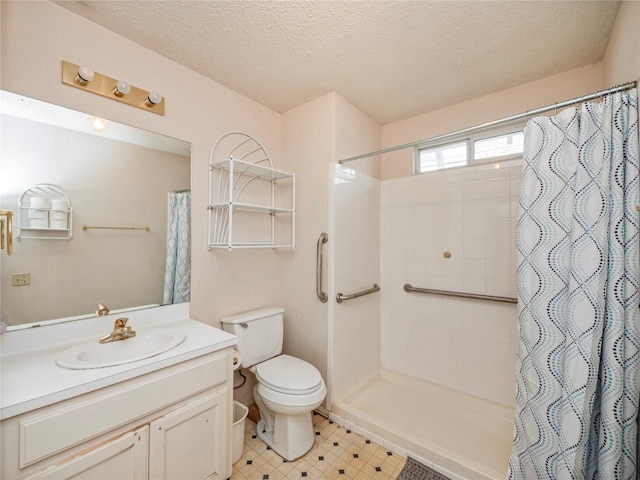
x,y
125,188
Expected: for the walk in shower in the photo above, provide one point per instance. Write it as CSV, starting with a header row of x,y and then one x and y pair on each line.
x,y
432,374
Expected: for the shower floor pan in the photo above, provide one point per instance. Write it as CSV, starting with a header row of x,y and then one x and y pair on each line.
x,y
465,435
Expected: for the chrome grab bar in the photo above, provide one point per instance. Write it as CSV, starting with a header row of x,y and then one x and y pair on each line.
x,y
324,238
409,288
340,297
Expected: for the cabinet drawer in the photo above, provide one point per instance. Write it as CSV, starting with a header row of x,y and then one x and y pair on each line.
x,y
123,457
79,420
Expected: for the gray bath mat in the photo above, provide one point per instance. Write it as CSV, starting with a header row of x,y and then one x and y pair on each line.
x,y
414,470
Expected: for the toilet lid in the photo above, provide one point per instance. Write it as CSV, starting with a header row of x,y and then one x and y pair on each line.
x,y
287,374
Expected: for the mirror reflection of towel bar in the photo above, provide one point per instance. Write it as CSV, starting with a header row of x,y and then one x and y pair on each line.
x,y
85,227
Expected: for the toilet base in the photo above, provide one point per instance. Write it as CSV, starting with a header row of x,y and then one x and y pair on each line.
x,y
292,435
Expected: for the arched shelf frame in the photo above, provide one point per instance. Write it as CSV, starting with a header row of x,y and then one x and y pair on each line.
x,y
44,212
244,189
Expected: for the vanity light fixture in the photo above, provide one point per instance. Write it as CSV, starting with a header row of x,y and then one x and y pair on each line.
x,y
85,78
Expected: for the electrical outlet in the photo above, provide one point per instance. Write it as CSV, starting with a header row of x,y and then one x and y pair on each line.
x,y
20,279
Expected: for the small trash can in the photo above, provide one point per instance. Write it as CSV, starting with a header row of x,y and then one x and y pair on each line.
x,y
240,413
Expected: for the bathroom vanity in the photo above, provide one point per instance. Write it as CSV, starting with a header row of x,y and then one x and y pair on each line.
x,y
165,416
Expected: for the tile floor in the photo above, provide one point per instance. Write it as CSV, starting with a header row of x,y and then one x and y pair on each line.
x,y
337,453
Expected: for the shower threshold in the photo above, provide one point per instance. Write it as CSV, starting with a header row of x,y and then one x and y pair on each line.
x,y
460,435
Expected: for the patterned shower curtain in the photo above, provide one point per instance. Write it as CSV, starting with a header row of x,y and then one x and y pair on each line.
x,y
578,379
177,277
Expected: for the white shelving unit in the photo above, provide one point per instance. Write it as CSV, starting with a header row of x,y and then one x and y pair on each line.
x,y
32,217
251,205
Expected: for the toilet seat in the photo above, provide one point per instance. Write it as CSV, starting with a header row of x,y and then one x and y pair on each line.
x,y
289,375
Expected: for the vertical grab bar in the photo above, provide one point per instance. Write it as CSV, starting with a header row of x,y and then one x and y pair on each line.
x,y
324,238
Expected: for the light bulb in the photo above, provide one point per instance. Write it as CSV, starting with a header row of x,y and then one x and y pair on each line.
x,y
85,75
122,88
154,98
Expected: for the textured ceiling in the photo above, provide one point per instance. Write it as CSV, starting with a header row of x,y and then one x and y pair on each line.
x,y
392,59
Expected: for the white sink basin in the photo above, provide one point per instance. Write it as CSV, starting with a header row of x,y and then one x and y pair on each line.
x,y
145,344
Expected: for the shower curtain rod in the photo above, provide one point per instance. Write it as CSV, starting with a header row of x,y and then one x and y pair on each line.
x,y
495,123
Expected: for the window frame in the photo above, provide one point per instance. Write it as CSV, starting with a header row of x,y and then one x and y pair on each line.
x,y
470,139
465,141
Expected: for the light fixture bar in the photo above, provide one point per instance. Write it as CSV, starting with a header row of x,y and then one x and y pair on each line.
x,y
106,87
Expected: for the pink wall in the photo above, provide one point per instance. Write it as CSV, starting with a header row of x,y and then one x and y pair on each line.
x,y
308,144
622,57
556,88
356,133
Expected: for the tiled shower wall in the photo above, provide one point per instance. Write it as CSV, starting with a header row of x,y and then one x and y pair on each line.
x,y
354,265
396,232
467,345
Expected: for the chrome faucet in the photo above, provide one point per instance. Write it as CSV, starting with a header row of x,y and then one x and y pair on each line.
x,y
120,332
102,310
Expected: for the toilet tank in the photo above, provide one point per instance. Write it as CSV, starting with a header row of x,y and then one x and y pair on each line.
x,y
260,333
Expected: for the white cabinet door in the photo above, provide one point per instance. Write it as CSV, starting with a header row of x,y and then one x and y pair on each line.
x,y
124,457
191,442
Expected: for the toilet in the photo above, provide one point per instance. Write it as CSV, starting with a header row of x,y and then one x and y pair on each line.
x,y
287,388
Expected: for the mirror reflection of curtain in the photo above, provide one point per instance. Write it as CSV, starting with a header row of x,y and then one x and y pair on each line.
x,y
177,278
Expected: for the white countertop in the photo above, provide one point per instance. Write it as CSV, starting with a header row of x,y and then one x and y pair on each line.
x,y
30,378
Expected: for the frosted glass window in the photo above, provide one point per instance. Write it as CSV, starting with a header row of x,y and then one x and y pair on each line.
x,y
499,146
443,156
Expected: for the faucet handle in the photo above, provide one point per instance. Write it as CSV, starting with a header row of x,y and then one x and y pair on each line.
x,y
102,310
120,325
121,322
